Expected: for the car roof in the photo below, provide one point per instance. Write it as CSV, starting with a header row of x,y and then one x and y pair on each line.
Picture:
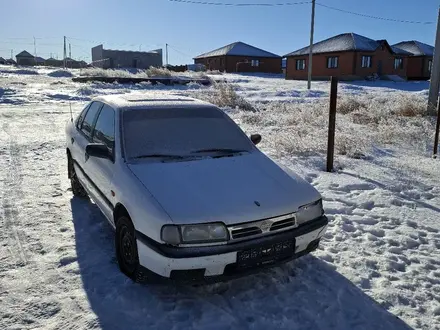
x,y
150,100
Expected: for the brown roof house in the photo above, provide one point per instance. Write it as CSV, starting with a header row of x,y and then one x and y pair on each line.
x,y
420,59
25,58
240,57
348,56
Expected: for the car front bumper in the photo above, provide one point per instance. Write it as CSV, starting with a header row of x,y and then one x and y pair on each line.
x,y
221,261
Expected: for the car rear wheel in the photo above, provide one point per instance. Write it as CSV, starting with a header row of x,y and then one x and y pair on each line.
x,y
77,188
127,252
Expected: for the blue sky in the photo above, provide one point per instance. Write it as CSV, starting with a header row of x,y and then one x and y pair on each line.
x,y
193,29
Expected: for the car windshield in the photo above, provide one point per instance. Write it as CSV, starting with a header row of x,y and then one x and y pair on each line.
x,y
181,132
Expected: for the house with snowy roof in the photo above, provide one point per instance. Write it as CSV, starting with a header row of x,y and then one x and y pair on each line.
x,y
25,58
240,57
420,61
348,56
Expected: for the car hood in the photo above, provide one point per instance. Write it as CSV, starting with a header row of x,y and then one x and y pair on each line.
x,y
232,190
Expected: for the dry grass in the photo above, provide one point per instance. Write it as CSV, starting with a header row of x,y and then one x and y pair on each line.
x,y
349,105
225,96
301,128
158,72
408,106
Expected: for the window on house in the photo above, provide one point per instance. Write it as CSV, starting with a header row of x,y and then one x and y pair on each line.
x,y
255,63
398,63
366,61
429,65
332,62
300,64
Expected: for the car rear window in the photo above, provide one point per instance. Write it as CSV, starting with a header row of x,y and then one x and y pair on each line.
x,y
180,131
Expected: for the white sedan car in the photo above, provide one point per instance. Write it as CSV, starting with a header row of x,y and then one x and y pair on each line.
x,y
188,193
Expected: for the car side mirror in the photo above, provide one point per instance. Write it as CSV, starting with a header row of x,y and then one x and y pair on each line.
x,y
99,150
256,138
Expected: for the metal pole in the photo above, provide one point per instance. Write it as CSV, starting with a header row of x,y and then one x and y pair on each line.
x,y
70,51
35,51
437,129
166,52
435,72
12,51
332,123
65,52
312,28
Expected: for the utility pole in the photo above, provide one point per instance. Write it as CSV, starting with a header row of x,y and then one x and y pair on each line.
x,y
12,51
166,53
312,28
70,51
435,72
35,51
437,129
65,52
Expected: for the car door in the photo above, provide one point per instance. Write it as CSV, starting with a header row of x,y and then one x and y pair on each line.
x,y
100,170
80,139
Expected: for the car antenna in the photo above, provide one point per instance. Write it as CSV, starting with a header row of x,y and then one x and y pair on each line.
x,y
71,116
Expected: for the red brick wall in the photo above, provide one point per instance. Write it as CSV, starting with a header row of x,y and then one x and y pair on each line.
x,y
232,63
381,57
350,65
418,67
213,63
319,69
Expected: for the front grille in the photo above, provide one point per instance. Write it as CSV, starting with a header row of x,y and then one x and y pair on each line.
x,y
245,232
283,224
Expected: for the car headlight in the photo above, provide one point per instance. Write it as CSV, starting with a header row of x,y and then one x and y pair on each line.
x,y
193,234
309,212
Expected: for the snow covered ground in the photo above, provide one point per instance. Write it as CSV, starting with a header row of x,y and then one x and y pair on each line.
x,y
378,266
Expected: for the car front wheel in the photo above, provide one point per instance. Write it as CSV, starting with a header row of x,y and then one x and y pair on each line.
x,y
127,252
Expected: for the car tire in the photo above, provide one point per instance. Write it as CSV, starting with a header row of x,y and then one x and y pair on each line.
x,y
127,252
77,188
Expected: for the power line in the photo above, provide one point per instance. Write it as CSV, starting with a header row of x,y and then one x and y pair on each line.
x,y
226,4
373,17
241,4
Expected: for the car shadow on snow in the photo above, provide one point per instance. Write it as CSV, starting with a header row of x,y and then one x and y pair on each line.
x,y
304,294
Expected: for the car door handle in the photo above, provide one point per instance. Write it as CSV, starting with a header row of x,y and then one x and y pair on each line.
x,y
72,140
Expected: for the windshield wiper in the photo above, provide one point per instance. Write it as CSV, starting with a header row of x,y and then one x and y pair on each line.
x,y
226,150
160,156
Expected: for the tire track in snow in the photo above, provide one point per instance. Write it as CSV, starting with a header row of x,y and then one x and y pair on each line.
x,y
11,194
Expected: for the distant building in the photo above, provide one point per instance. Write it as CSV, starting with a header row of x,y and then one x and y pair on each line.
x,y
348,56
54,62
10,61
2,60
39,61
108,58
420,59
25,58
240,57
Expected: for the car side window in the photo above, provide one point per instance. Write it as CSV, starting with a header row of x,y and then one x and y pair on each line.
x,y
105,127
80,118
89,119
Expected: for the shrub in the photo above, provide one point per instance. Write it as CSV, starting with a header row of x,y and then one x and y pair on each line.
x,y
158,72
411,106
224,95
349,105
